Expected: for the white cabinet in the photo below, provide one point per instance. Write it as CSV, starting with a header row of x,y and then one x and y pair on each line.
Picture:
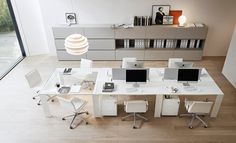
x,y
109,105
170,106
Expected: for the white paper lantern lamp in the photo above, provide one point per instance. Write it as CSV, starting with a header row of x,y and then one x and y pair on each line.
x,y
76,44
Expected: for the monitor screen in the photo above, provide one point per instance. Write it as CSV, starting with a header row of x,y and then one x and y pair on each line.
x,y
136,75
188,74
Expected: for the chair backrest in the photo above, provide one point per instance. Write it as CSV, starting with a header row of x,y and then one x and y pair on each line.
x,y
34,79
66,102
126,60
85,63
136,106
171,62
72,104
200,107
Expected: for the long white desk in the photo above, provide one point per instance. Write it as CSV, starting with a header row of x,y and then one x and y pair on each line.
x,y
156,86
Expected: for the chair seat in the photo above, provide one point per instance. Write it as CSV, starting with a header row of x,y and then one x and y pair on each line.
x,y
136,106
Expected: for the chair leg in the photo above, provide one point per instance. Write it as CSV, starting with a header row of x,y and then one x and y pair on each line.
x,y
203,122
142,117
34,97
191,122
72,121
63,118
134,125
130,115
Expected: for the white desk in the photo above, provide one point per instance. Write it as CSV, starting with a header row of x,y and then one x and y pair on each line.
x,y
156,86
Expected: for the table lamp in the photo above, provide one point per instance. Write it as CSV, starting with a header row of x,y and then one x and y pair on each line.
x,y
76,44
182,20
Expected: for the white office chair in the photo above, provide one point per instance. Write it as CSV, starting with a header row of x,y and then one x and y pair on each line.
x,y
75,105
171,62
134,107
126,60
35,83
91,77
195,109
85,63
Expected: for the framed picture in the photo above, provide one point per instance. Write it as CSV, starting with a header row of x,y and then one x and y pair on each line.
x,y
158,11
168,19
70,18
176,14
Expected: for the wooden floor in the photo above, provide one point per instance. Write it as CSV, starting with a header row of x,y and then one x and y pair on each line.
x,y
22,121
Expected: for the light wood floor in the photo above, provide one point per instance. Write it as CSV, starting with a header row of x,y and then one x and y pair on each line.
x,y
22,121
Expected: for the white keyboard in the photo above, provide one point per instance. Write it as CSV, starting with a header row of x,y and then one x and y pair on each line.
x,y
190,88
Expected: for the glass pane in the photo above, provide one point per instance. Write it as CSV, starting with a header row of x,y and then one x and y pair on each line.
x,y
10,52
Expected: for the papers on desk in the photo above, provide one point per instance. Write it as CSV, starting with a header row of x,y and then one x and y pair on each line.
x,y
75,89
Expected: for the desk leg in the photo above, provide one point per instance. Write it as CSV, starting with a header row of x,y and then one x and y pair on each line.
x,y
45,105
96,106
158,105
216,106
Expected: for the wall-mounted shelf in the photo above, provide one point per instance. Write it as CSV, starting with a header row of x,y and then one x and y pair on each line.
x,y
159,42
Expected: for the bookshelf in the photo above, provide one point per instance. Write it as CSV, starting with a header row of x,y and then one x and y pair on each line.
x,y
157,42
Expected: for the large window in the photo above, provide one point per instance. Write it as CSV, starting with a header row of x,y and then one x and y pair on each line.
x,y
11,48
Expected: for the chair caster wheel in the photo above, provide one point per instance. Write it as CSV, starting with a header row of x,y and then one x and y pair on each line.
x,y
86,123
71,127
33,98
38,104
87,113
205,126
63,119
190,127
52,100
134,127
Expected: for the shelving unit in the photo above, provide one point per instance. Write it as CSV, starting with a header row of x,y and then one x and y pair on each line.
x,y
159,42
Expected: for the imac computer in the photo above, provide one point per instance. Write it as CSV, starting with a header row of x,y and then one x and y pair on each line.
x,y
135,64
136,76
170,74
188,75
184,64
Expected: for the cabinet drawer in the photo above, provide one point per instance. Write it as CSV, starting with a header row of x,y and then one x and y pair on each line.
x,y
139,54
188,54
99,32
102,44
59,43
101,55
158,54
64,56
63,32
130,33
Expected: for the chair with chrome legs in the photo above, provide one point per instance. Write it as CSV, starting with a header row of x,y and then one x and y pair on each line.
x,y
135,107
35,83
75,105
196,109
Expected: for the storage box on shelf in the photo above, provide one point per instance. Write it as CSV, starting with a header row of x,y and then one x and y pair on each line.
x,y
158,42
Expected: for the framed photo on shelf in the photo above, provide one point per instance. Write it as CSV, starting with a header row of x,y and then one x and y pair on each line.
x,y
168,20
158,11
70,18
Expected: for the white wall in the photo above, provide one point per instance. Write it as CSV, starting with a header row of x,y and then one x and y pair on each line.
x,y
30,23
219,15
229,69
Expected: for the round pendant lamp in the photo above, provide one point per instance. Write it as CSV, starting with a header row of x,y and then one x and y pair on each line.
x,y
76,44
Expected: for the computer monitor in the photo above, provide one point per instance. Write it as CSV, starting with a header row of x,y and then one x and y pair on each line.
x,y
170,73
135,64
136,76
184,64
188,75
118,74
